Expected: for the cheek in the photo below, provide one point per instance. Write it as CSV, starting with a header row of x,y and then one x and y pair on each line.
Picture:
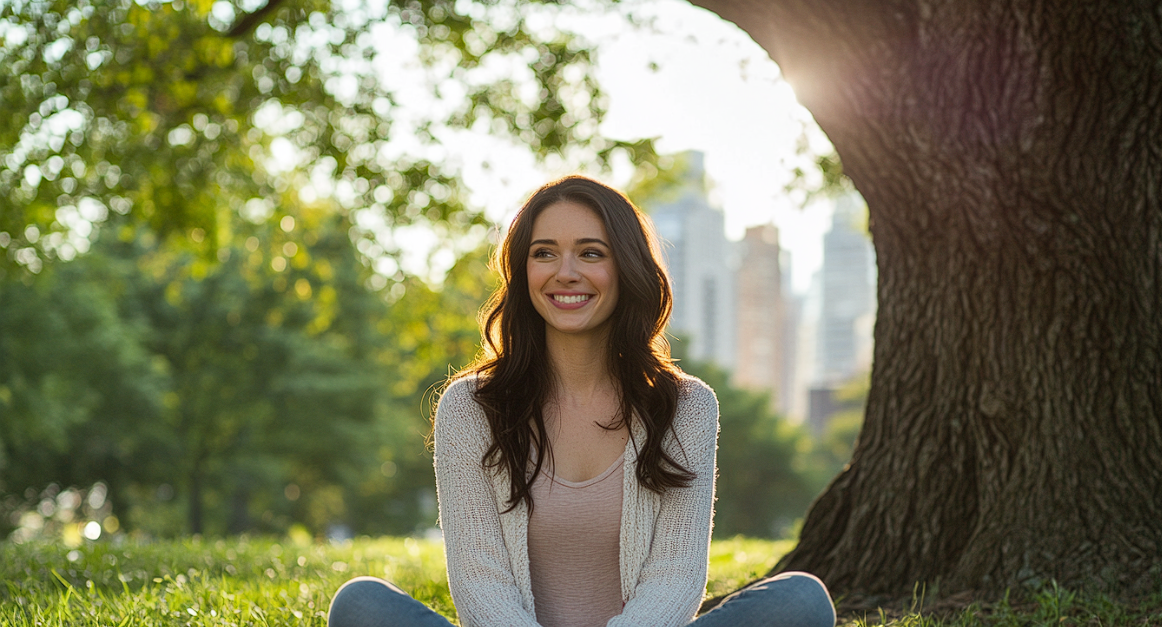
x,y
611,279
533,275
537,276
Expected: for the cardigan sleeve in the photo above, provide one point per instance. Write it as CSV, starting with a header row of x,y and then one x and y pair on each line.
x,y
673,578
480,576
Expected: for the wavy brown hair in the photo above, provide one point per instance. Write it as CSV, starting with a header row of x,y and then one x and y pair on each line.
x,y
514,376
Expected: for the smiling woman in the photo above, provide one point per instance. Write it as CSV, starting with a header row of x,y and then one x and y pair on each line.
x,y
571,271
575,462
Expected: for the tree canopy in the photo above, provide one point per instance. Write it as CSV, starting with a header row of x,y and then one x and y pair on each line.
x,y
176,114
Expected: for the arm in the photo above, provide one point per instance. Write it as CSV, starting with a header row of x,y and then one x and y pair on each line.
x,y
479,573
673,578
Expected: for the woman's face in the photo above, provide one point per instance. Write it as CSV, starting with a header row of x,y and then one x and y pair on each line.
x,y
571,270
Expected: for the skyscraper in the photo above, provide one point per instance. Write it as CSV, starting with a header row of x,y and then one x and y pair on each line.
x,y
848,292
845,291
699,260
766,350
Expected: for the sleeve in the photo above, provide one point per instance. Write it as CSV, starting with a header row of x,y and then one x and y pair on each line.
x,y
480,577
673,578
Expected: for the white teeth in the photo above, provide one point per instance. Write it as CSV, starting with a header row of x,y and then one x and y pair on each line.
x,y
571,299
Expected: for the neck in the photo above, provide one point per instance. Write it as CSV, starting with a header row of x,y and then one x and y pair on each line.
x,y
580,363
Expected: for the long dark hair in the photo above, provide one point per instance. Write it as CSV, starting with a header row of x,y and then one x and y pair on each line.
x,y
514,377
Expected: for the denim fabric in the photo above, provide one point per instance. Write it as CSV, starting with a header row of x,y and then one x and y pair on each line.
x,y
785,600
371,602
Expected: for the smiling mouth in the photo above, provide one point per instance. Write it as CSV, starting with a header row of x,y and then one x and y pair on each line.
x,y
569,300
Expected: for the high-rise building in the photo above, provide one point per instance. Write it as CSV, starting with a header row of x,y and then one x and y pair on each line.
x,y
766,347
848,292
847,305
699,260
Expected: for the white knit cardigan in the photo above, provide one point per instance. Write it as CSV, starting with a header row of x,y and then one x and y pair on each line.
x,y
665,539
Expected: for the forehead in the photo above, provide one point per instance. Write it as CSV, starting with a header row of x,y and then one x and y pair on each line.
x,y
567,220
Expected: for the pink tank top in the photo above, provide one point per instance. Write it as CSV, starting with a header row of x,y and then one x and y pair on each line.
x,y
574,549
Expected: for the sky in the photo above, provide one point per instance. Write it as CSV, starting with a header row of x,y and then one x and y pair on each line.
x,y
680,75
717,91
697,82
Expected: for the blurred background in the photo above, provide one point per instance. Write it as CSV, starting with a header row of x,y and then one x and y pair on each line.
x,y
244,242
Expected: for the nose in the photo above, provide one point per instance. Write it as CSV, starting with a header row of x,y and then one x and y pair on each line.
x,y
568,271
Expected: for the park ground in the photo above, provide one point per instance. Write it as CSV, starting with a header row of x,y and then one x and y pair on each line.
x,y
263,581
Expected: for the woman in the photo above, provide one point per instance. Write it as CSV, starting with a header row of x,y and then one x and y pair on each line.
x,y
575,463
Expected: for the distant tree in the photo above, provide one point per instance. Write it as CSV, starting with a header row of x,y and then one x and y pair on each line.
x,y
764,479
1010,155
80,399
261,390
433,333
269,352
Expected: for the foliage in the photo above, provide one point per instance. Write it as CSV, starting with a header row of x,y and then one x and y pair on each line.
x,y
67,516
229,346
269,355
660,182
763,481
817,171
271,394
433,332
176,114
72,371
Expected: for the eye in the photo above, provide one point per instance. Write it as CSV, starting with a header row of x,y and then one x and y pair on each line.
x,y
593,253
541,253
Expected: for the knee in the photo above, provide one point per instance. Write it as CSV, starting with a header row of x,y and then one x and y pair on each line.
x,y
359,599
811,597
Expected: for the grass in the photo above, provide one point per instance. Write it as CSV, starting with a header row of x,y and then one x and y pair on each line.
x,y
1041,611
192,582
1049,606
249,581
279,582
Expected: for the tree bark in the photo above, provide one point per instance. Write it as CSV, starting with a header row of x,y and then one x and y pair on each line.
x,y
1011,157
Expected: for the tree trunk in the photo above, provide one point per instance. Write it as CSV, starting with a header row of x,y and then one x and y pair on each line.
x,y
1011,157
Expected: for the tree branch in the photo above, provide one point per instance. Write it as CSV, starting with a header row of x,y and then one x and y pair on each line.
x,y
251,20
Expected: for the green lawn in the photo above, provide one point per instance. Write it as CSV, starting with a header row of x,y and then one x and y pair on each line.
x,y
268,582
249,582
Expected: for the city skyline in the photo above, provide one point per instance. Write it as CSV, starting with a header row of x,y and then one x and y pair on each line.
x,y
734,306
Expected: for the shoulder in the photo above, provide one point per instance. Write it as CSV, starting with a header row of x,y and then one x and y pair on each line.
x,y
694,396
458,413
697,407
691,389
461,391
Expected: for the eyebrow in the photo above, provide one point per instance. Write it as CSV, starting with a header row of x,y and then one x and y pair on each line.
x,y
584,240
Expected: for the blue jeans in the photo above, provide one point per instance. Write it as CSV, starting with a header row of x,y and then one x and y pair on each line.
x,y
785,600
